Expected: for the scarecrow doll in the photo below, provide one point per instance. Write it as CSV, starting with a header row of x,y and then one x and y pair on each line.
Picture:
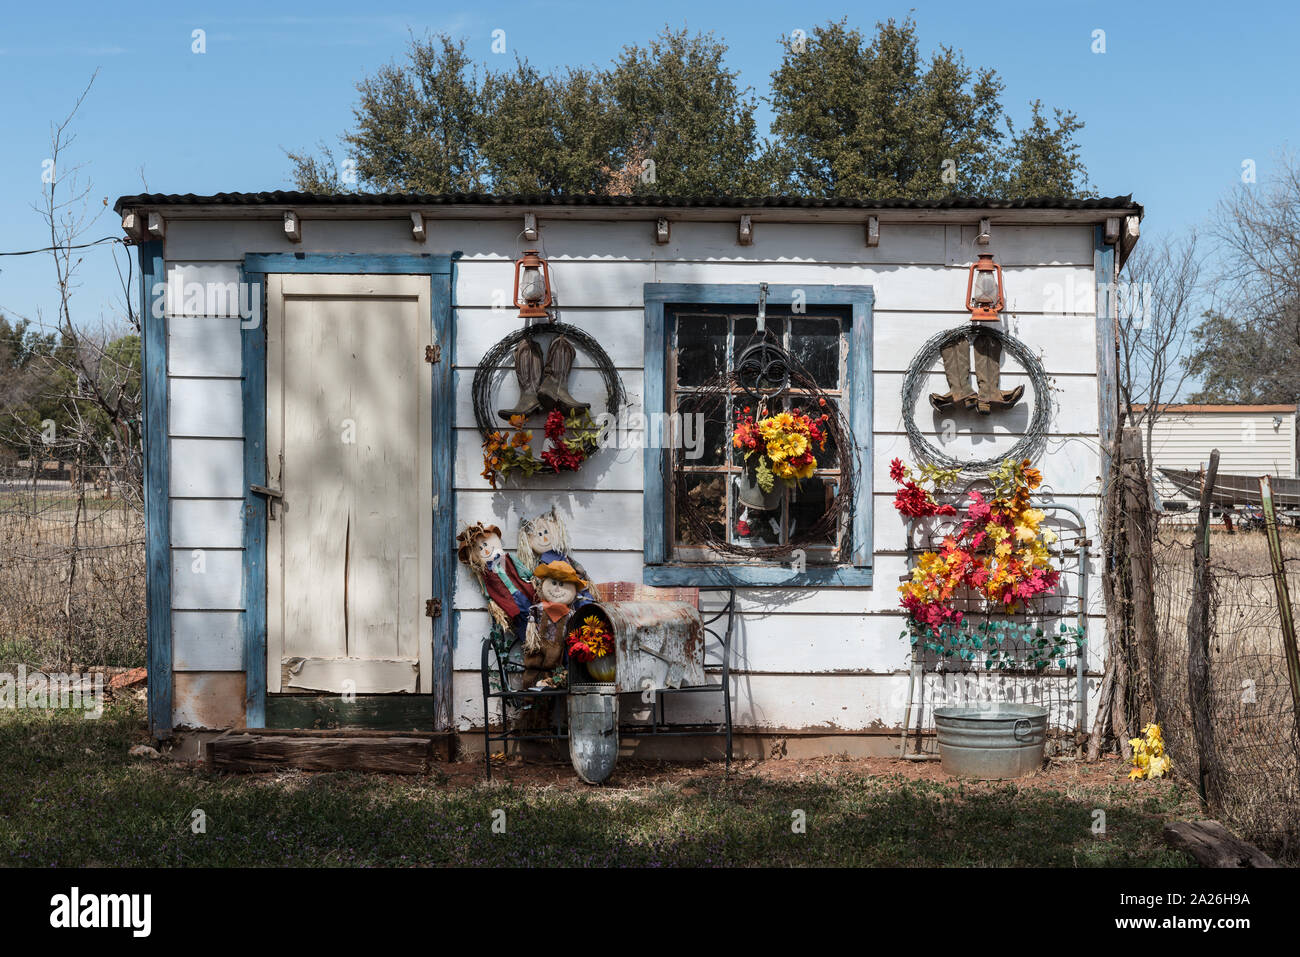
x,y
557,586
504,580
545,539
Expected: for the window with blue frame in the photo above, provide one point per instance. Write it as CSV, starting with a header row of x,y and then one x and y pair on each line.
x,y
695,333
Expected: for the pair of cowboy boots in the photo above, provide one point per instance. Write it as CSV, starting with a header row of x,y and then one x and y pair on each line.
x,y
956,367
544,385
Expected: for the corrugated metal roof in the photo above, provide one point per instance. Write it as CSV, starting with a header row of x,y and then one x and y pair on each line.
x,y
289,198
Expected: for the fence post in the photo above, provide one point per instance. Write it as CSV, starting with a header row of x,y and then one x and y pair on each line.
x,y
1198,637
1283,595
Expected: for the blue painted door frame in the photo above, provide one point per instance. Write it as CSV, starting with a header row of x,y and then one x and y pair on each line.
x,y
256,268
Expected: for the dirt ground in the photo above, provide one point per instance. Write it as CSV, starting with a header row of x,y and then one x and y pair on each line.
x,y
1058,774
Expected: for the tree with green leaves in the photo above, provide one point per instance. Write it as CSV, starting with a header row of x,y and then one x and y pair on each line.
x,y
852,117
862,117
664,118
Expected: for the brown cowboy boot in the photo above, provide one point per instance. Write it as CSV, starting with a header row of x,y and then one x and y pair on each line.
x,y
956,367
554,391
528,371
988,361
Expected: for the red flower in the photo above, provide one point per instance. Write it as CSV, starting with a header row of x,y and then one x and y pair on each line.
x,y
743,529
555,425
561,458
896,470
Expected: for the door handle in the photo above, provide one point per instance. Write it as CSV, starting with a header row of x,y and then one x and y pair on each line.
x,y
272,495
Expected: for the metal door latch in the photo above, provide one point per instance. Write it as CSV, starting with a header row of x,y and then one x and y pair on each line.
x,y
432,354
272,495
433,607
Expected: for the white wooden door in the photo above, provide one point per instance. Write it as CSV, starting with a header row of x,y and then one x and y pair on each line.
x,y
348,431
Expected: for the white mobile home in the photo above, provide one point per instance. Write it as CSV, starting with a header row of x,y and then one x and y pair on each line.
x,y
313,447
1252,440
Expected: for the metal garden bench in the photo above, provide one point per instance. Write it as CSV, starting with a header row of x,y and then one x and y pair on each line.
x,y
502,667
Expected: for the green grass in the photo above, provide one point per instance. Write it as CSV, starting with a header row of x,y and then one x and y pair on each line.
x,y
70,795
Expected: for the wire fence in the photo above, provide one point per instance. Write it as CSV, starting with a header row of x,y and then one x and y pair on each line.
x,y
1253,760
1034,657
72,566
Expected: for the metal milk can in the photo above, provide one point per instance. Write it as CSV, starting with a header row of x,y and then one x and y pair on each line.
x,y
593,731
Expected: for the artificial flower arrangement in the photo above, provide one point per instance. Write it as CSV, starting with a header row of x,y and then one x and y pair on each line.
x,y
780,446
590,640
1149,758
998,553
592,643
569,441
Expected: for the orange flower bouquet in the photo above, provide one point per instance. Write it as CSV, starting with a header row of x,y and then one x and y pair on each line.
x,y
592,643
779,447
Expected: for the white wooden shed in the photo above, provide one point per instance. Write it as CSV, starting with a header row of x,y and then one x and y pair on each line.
x,y
322,347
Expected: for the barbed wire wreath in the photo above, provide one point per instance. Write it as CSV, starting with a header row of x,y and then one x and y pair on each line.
x,y
1035,435
765,373
495,366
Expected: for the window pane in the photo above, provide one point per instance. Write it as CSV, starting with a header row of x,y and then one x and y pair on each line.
x,y
815,344
827,458
711,446
750,526
707,494
808,504
701,348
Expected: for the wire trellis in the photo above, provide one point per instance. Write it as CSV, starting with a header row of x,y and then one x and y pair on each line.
x,y
1038,656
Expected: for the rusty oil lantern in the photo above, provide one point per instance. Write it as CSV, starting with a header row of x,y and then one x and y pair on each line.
x,y
984,296
532,285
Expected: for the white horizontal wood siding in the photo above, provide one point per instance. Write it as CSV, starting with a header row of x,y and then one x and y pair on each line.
x,y
811,657
205,428
803,658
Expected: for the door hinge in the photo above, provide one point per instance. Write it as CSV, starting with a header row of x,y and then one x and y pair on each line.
x,y
432,354
433,607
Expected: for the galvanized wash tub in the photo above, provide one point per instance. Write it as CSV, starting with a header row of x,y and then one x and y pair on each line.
x,y
992,740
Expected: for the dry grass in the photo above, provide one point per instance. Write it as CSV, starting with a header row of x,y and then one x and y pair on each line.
x,y
1256,750
72,580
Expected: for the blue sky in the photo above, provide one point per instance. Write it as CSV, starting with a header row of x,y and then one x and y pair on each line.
x,y
1184,92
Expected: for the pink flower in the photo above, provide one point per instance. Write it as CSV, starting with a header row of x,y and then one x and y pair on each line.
x,y
979,509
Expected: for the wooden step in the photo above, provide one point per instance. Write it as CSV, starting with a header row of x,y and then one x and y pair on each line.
x,y
385,754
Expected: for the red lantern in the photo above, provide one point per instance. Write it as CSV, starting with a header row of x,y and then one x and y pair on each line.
x,y
984,289
532,285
